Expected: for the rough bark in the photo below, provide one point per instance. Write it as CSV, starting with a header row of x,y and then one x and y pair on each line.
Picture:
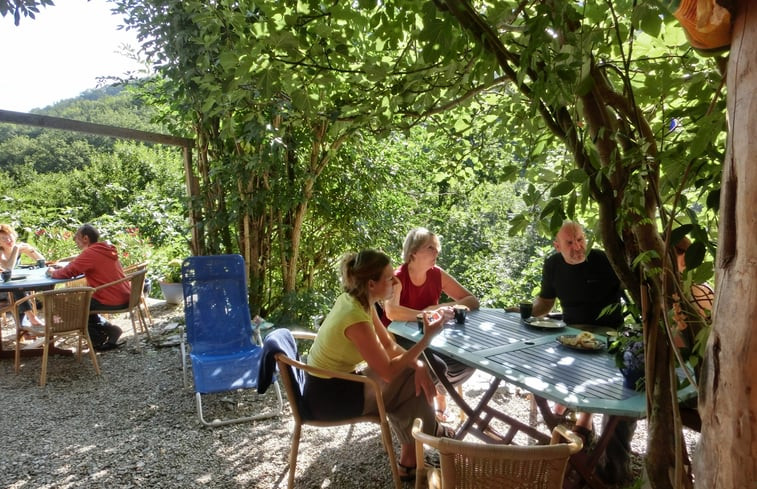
x,y
727,457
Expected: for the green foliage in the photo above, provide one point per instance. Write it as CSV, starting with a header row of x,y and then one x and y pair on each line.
x,y
55,242
27,8
171,271
132,192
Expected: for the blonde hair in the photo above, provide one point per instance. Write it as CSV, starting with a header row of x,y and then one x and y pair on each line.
x,y
358,268
7,229
415,239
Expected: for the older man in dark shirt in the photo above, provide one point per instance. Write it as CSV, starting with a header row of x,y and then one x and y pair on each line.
x,y
589,293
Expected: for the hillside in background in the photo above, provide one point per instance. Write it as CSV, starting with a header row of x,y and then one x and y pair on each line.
x,y
53,180
26,151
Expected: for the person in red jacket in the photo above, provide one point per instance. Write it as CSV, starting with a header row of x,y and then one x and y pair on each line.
x,y
99,264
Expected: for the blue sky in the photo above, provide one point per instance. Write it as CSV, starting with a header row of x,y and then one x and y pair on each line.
x,y
60,53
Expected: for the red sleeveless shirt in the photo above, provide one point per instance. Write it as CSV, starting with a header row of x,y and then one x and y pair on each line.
x,y
420,297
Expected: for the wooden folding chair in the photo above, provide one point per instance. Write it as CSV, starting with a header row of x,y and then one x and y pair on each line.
x,y
290,369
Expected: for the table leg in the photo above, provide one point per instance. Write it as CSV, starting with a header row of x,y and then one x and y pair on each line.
x,y
550,418
478,419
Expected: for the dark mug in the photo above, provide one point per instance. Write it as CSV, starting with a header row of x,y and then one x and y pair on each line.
x,y
41,263
6,275
460,313
419,318
526,308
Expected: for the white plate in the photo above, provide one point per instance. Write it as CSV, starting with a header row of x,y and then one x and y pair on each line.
x,y
545,323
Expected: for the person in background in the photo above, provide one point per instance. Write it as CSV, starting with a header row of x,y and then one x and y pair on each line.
x,y
351,334
420,287
702,298
10,253
99,264
702,295
586,285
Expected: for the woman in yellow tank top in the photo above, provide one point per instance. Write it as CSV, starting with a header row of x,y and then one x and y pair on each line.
x,y
351,336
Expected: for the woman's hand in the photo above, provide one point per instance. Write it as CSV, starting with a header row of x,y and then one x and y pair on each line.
x,y
433,322
424,383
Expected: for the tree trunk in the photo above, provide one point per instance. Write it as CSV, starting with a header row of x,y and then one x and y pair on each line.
x,y
728,401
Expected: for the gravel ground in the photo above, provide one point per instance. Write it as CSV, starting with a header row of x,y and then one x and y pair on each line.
x,y
136,426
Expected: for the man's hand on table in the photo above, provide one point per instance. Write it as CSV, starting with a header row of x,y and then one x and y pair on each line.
x,y
53,266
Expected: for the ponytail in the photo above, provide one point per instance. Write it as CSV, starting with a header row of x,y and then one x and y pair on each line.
x,y
358,268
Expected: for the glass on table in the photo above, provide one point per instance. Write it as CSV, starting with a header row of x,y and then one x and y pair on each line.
x,y
461,312
526,309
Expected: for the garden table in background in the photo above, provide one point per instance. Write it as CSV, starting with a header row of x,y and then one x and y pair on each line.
x,y
30,279
500,344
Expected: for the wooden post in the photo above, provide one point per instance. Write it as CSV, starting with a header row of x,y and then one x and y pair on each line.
x,y
727,456
193,194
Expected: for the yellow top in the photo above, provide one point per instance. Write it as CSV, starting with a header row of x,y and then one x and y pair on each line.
x,y
332,349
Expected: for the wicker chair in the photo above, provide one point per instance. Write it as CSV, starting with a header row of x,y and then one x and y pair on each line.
x,y
6,306
466,465
137,283
290,371
143,309
66,312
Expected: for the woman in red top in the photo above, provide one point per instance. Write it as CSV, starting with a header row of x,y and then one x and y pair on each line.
x,y
421,284
99,264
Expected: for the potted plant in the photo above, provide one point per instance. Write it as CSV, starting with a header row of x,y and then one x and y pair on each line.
x,y
170,285
628,349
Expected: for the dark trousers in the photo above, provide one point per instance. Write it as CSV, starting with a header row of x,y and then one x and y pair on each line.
x,y
615,466
19,294
100,330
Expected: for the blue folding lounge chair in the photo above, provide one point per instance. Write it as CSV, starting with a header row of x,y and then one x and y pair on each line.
x,y
219,330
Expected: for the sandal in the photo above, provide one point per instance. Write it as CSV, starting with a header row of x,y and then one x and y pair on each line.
x,y
585,434
566,415
443,431
407,474
442,416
